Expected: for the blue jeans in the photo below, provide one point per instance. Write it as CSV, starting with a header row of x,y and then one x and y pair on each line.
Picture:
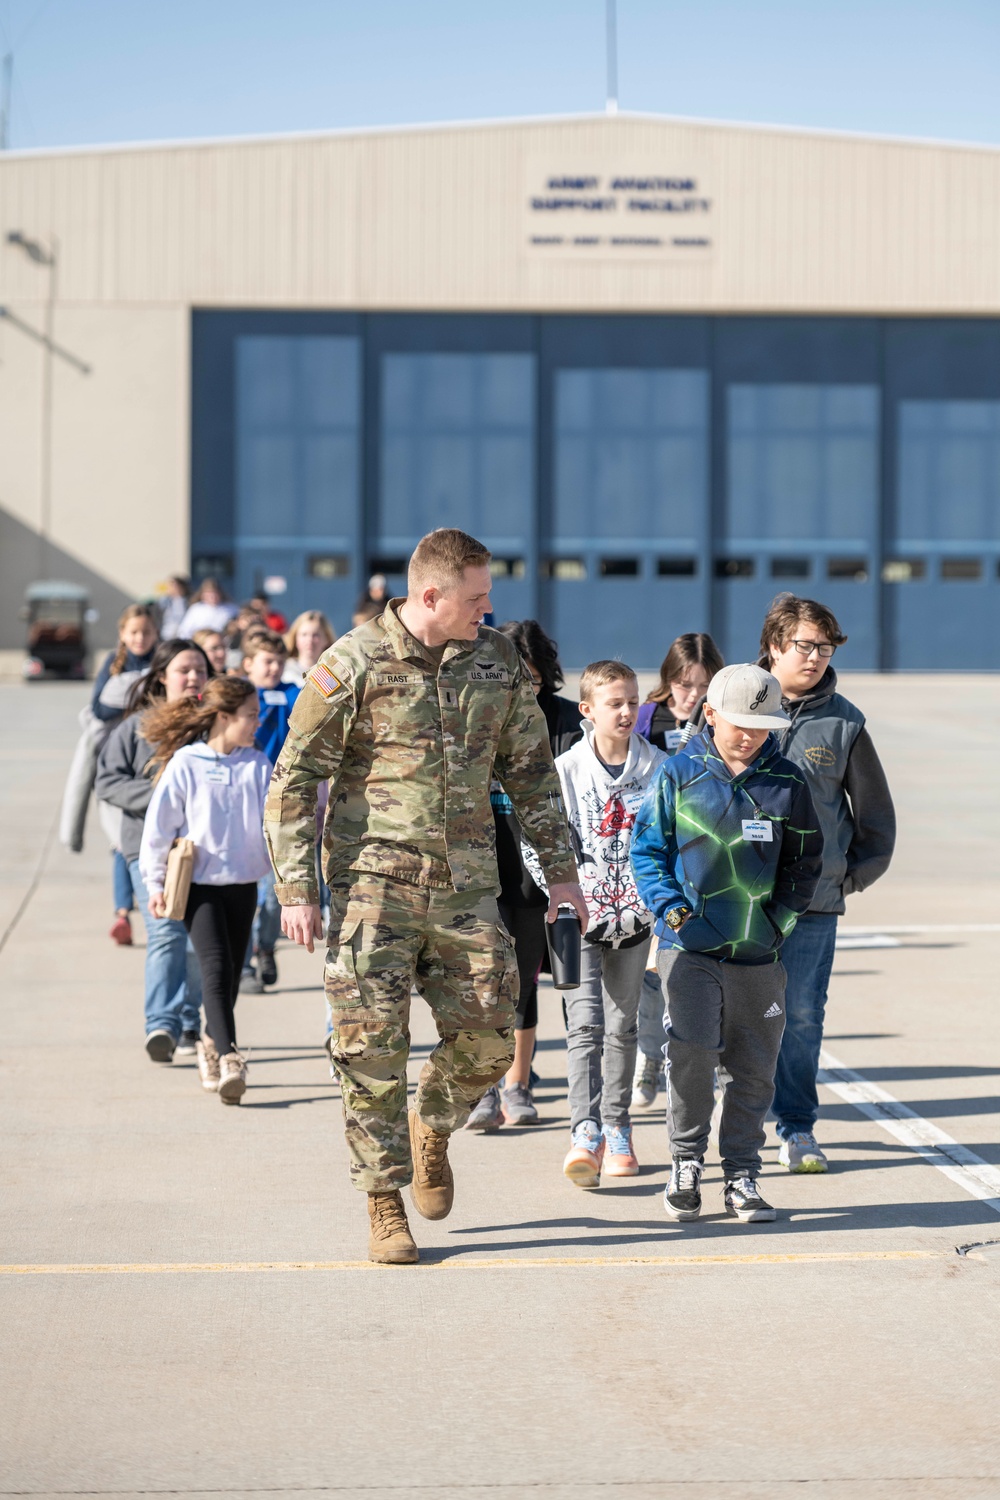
x,y
267,922
173,978
121,883
808,959
652,1034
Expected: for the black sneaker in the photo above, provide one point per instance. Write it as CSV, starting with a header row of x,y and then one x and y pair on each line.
x,y
188,1044
267,969
160,1045
743,1202
682,1194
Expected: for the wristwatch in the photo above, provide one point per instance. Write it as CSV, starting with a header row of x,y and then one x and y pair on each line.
x,y
677,916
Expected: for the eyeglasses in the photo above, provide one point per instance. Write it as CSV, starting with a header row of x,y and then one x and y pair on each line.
x,y
806,648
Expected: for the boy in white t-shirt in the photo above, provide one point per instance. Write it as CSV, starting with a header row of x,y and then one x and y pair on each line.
x,y
605,778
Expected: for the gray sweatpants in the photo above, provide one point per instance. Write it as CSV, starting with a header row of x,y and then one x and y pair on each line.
x,y
730,1017
601,1029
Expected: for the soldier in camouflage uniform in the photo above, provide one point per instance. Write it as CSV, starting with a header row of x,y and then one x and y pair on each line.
x,y
409,717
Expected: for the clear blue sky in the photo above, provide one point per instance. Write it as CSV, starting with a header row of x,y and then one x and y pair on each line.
x,y
127,70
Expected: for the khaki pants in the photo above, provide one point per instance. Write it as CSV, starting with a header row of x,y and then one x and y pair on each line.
x,y
385,937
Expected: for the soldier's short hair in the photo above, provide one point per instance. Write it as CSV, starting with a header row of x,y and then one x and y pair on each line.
x,y
442,556
600,674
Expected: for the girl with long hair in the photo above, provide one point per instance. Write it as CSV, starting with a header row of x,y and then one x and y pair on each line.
x,y
522,904
685,673
210,788
138,632
179,670
309,635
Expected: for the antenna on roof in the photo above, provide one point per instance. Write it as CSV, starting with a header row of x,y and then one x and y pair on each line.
x,y
611,103
5,93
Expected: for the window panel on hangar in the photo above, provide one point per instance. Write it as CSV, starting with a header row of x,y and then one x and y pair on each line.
x,y
631,453
803,461
298,418
457,443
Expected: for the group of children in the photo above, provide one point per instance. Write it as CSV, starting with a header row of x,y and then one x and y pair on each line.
x,y
727,817
191,755
730,815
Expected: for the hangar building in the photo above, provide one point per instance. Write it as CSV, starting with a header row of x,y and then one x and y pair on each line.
x,y
664,369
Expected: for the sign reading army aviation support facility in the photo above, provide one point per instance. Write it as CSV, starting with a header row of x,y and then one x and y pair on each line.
x,y
603,212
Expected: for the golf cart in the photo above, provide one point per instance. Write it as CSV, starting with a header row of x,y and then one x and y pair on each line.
x,y
57,616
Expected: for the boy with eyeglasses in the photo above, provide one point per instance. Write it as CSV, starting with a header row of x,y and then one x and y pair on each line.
x,y
828,741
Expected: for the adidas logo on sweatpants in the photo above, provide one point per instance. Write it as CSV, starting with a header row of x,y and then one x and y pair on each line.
x,y
775,1010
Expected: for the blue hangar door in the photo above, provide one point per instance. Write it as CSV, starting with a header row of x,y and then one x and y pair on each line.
x,y
796,501
942,551
276,457
453,444
625,461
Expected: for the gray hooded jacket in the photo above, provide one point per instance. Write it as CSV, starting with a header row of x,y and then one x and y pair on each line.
x,y
827,739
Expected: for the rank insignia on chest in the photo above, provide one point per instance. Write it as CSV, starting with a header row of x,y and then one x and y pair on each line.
x,y
450,697
324,681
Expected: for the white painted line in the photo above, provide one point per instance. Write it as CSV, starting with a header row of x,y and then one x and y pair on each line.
x,y
924,927
850,942
976,1177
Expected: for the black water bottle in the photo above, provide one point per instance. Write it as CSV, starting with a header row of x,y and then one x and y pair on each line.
x,y
564,949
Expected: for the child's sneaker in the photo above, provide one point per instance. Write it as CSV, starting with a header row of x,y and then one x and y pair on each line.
x,y
647,1083
801,1152
518,1105
743,1202
120,931
208,1063
682,1194
251,982
487,1115
585,1155
620,1158
232,1078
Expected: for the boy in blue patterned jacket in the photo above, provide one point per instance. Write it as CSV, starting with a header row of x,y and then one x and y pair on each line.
x,y
727,853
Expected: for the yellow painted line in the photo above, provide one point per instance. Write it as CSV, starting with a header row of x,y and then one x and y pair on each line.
x,y
497,1263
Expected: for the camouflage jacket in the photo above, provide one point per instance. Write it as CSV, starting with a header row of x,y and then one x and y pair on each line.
x,y
410,749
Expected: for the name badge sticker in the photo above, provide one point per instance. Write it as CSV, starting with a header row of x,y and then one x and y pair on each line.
x,y
757,831
673,738
217,774
275,697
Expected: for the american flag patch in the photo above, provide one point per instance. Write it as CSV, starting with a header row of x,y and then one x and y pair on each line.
x,y
323,680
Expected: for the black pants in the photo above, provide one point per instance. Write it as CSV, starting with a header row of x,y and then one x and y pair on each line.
x,y
219,919
526,925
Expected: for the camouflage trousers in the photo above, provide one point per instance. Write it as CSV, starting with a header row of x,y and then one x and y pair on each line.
x,y
385,937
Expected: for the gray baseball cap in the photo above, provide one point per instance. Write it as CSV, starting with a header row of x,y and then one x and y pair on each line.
x,y
748,697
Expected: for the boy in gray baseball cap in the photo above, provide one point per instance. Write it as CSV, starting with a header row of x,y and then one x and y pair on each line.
x,y
726,852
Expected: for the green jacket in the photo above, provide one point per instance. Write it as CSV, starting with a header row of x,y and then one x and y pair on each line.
x,y
410,748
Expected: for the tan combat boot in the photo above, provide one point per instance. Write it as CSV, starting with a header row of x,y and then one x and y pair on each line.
x,y
389,1239
433,1185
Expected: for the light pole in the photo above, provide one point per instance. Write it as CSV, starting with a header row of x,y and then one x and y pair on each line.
x,y
49,258
611,102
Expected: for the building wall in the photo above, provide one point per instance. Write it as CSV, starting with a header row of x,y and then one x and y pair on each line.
x,y
120,447
423,221
434,218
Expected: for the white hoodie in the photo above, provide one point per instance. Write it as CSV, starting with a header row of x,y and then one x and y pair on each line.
x,y
601,812
216,800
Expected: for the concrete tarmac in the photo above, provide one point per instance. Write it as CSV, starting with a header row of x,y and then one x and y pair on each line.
x,y
185,1301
